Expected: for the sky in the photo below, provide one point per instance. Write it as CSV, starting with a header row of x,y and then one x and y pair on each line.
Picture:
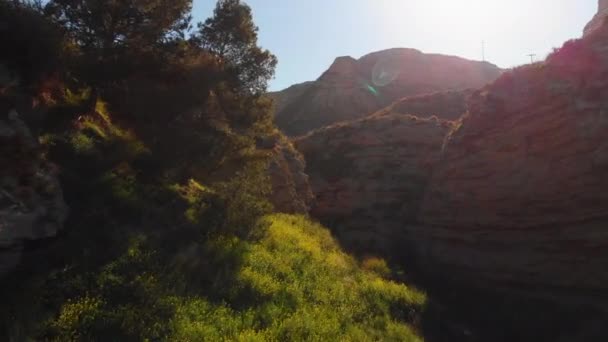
x,y
307,35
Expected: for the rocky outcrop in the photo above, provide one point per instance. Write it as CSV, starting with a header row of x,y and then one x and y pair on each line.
x,y
31,200
520,196
369,175
599,19
352,89
291,192
449,105
284,97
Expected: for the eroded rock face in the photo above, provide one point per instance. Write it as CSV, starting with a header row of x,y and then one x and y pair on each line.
x,y
599,19
369,175
31,200
520,197
352,89
449,105
291,192
283,98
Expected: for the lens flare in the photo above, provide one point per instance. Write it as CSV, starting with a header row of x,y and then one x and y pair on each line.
x,y
385,71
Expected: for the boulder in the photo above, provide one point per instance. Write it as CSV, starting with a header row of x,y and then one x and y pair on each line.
x,y
31,200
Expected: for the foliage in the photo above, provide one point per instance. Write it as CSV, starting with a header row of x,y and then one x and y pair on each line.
x,y
169,235
296,284
232,36
376,265
125,300
293,283
31,45
246,198
112,39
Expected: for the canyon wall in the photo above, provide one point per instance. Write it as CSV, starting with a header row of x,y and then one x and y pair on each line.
x,y
513,195
520,195
291,191
369,175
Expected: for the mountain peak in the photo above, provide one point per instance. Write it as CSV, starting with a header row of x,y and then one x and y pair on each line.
x,y
599,19
341,67
352,88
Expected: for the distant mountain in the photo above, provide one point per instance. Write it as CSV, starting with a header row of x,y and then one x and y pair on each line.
x,y
352,88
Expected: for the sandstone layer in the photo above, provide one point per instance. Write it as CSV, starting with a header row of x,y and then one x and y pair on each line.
x,y
352,89
369,175
291,192
520,196
449,105
599,19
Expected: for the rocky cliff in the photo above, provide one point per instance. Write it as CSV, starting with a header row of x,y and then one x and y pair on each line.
x,y
369,175
520,196
352,88
599,19
31,200
284,97
449,105
291,192
513,195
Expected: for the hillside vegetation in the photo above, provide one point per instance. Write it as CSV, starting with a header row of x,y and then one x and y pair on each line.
x,y
153,129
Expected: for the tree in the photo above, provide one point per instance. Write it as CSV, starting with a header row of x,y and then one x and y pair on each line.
x,y
232,36
31,43
114,37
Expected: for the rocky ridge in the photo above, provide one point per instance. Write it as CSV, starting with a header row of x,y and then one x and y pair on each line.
x,y
351,89
599,19
449,105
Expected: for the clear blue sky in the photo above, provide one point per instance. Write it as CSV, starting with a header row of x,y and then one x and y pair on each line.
x,y
307,35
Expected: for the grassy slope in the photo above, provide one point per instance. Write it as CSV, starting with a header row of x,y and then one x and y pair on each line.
x,y
299,285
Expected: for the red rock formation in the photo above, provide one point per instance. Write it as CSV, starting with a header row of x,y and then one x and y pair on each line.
x,y
520,197
599,19
291,192
369,175
450,105
352,89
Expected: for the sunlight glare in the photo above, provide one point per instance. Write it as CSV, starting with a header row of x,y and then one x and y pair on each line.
x,y
452,18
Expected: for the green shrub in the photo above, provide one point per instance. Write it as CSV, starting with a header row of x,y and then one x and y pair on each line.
x,y
245,198
296,284
292,284
127,299
376,265
30,44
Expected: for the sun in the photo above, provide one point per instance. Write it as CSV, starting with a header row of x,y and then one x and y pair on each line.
x,y
461,17
452,17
